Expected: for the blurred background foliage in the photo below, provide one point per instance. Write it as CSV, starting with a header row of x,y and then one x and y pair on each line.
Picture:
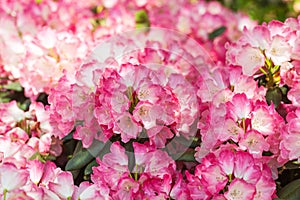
x,y
265,10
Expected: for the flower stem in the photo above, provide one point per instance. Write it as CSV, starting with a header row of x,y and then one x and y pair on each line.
x,y
244,124
4,194
263,71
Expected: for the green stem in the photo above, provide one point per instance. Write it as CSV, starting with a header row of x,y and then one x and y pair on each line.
x,y
263,71
230,178
271,80
135,176
244,124
4,194
275,69
130,175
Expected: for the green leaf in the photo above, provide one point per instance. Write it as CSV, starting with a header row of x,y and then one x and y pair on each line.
x,y
285,89
217,32
4,100
141,19
4,96
68,137
79,160
291,191
96,148
15,86
75,173
25,105
98,22
292,165
97,9
84,156
274,95
89,168
187,156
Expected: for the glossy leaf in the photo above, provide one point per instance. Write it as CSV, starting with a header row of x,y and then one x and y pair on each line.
x,y
274,95
292,165
291,191
187,156
217,32
84,156
89,168
75,173
96,148
79,160
285,89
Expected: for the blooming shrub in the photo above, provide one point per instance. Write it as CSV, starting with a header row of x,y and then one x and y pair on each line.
x,y
138,99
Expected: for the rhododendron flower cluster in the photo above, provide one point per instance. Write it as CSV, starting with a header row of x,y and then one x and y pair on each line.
x,y
250,123
28,130
290,141
117,99
234,172
150,178
150,101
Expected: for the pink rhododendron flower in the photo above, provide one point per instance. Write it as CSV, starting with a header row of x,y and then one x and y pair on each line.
x,y
87,191
150,177
239,189
34,179
12,177
31,128
250,123
61,114
62,185
36,171
294,94
290,141
229,166
53,54
276,46
280,51
251,59
255,143
239,107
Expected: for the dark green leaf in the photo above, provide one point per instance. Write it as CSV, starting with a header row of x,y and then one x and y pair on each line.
x,y
25,105
79,160
285,89
84,156
217,32
68,137
89,168
96,148
274,95
187,156
292,165
291,191
75,173
130,153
